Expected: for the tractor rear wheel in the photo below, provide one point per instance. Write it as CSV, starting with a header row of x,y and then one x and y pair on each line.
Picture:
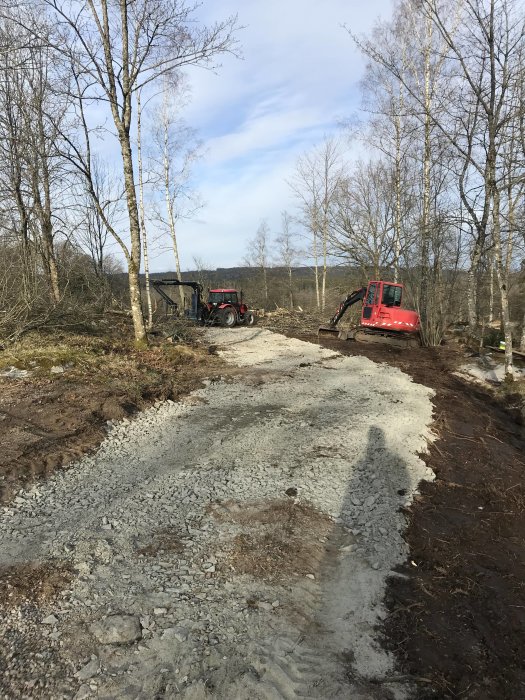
x,y
227,317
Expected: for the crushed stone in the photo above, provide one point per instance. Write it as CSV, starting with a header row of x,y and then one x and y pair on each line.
x,y
337,437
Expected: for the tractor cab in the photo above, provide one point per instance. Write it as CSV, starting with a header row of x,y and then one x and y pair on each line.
x,y
227,308
223,296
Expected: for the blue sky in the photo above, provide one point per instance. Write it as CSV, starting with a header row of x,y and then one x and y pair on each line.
x,y
297,80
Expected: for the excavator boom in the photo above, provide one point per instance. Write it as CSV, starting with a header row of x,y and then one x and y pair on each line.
x,y
352,298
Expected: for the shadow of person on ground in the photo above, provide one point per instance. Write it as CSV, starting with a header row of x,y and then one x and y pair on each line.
x,y
361,550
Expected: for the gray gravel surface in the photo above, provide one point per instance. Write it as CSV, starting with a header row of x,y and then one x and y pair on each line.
x,y
157,607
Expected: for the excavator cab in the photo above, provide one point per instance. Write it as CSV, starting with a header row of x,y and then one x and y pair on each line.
x,y
382,308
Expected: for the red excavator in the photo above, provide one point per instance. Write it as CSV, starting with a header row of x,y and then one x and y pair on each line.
x,y
382,318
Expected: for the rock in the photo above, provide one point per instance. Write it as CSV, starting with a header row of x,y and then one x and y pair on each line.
x,y
83,692
275,604
50,620
89,670
117,629
264,606
178,633
15,373
57,369
160,611
310,576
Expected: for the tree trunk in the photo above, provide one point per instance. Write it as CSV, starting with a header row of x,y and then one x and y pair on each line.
x,y
323,290
142,216
503,283
425,240
316,268
171,213
397,186
49,259
134,231
522,341
265,284
491,290
472,279
290,287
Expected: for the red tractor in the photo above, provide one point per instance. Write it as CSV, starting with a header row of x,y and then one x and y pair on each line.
x,y
224,307
382,318
227,308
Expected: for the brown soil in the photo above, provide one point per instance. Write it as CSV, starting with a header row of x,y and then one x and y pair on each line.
x,y
48,420
457,616
32,582
165,540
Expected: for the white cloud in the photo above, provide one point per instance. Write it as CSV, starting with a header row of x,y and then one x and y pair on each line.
x,y
299,76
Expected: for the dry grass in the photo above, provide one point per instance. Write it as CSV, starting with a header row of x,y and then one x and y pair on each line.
x,y
111,362
280,538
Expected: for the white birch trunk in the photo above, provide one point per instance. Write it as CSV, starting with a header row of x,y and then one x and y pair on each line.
x,y
316,268
171,213
503,286
149,324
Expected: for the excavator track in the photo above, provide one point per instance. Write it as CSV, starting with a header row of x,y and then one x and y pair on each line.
x,y
393,339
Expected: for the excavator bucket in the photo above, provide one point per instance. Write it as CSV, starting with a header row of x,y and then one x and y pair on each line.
x,y
341,333
328,330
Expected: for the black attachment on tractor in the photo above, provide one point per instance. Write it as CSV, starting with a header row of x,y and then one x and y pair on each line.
x,y
194,313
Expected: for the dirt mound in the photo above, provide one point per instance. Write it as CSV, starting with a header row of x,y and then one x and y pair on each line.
x,y
32,582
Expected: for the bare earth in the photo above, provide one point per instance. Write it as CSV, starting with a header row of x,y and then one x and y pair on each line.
x,y
235,544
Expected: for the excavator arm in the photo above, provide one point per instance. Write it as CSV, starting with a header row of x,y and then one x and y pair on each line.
x,y
352,298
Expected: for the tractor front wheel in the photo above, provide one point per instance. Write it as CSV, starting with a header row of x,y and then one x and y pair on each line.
x,y
227,317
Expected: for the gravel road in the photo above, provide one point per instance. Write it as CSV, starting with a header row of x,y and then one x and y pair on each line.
x,y
234,545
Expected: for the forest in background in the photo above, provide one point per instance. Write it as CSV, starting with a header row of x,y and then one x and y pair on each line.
x,y
438,203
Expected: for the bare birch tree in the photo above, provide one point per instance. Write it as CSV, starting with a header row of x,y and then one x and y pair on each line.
x,y
315,184
176,150
259,255
287,251
142,214
117,48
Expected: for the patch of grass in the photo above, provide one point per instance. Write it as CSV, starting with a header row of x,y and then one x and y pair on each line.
x,y
113,362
